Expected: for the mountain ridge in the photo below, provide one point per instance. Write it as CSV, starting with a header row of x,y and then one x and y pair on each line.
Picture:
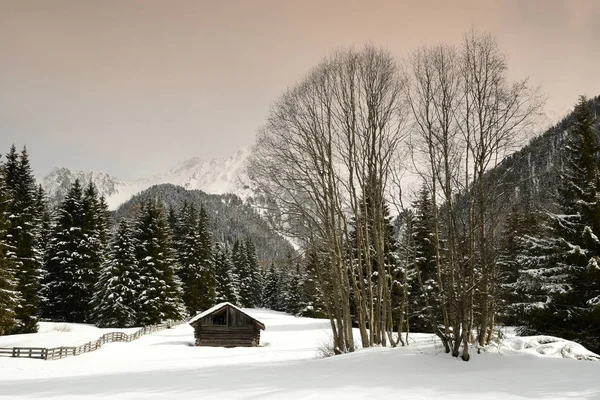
x,y
222,175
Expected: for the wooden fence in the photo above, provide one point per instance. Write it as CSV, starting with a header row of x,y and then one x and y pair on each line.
x,y
61,352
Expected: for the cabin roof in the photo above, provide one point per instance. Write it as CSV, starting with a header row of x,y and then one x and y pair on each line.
x,y
220,306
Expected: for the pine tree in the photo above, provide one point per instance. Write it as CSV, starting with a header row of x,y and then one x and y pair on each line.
x,y
246,273
271,293
568,271
103,222
240,273
207,276
160,295
95,233
175,224
539,271
11,171
293,300
255,274
424,290
66,288
312,298
9,297
46,229
46,219
224,283
116,301
24,238
195,257
284,276
523,251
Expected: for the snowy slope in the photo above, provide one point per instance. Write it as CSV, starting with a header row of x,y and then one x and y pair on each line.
x,y
166,365
59,334
216,176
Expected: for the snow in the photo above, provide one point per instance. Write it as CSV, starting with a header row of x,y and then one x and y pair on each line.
x,y
58,334
215,308
167,365
215,176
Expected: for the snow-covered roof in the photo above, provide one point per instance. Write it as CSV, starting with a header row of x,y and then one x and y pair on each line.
x,y
217,308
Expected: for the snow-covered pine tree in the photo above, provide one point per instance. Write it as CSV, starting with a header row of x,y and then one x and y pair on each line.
x,y
10,170
312,298
224,283
175,223
46,229
579,196
186,242
523,250
256,283
240,273
46,218
115,303
396,279
195,258
293,300
65,290
271,292
570,273
539,273
508,268
9,297
423,287
95,233
103,221
207,276
246,273
160,295
284,276
24,239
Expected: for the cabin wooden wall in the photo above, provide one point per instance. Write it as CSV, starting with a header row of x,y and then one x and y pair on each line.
x,y
239,331
227,336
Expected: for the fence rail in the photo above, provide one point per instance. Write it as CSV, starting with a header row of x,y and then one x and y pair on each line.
x,y
57,353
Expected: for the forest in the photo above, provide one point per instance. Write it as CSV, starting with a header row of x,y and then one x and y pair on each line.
x,y
78,263
494,235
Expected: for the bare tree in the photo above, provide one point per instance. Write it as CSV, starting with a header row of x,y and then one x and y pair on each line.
x,y
324,156
467,116
494,115
434,96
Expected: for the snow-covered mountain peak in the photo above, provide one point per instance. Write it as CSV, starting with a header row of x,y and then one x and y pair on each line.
x,y
216,176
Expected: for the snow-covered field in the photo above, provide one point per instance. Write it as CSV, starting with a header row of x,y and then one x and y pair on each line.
x,y
166,365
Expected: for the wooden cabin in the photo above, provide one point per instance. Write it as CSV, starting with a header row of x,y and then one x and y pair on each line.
x,y
226,325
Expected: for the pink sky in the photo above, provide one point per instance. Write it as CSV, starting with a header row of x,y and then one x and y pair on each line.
x,y
134,87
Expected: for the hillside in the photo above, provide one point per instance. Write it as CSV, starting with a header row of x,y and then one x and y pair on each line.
x,y
229,216
534,169
216,176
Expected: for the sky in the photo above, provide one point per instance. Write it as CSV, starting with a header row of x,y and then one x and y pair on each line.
x,y
134,87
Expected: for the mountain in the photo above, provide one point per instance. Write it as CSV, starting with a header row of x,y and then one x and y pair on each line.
x,y
229,218
216,176
221,185
533,171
